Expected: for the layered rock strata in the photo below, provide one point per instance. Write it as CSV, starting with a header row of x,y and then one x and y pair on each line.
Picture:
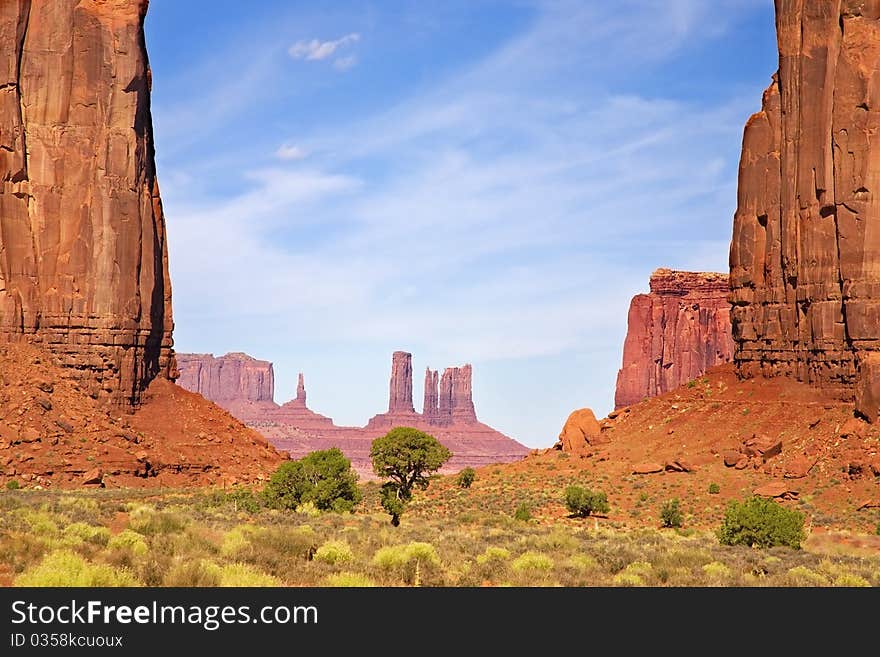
x,y
674,334
805,253
83,253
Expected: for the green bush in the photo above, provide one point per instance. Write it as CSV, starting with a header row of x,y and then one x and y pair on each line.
x,y
13,484
532,562
670,513
714,489
466,478
763,523
66,568
128,540
581,502
323,478
523,512
333,552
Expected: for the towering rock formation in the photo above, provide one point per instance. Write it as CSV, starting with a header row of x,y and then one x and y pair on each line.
x,y
805,254
674,334
300,399
400,398
431,407
449,415
83,255
444,404
233,377
462,395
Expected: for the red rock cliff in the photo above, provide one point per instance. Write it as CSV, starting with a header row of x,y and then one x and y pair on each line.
x,y
674,334
233,377
805,253
83,256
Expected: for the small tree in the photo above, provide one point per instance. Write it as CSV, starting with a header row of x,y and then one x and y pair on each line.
x,y
714,489
670,513
405,456
581,502
761,522
323,478
466,478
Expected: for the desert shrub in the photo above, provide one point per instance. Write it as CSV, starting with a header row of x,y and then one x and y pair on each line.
x,y
557,540
466,477
240,574
193,573
532,562
634,574
716,570
493,555
581,502
412,561
279,551
128,540
851,579
582,563
761,522
41,523
803,576
13,484
80,532
237,538
523,512
323,478
334,552
243,499
66,568
348,580
150,523
714,489
670,513
877,529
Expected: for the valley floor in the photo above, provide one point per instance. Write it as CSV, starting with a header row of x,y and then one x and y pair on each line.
x,y
211,538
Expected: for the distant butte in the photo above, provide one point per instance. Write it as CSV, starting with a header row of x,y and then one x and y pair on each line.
x,y
245,387
674,334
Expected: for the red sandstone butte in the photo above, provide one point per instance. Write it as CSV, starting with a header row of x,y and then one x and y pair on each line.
x,y
448,413
84,266
674,334
804,266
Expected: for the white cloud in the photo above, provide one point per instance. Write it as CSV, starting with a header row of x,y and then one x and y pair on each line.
x,y
345,63
315,50
290,152
505,213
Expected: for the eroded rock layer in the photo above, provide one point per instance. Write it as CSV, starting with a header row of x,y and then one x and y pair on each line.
x,y
674,334
83,255
805,254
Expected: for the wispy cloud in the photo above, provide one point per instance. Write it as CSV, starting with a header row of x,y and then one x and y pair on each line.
x,y
345,63
315,50
290,152
507,211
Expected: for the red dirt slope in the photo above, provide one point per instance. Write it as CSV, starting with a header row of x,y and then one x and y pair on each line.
x,y
53,434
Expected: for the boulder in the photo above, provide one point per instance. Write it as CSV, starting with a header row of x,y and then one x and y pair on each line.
x,y
580,430
647,467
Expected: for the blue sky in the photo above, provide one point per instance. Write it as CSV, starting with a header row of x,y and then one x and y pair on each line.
x,y
470,181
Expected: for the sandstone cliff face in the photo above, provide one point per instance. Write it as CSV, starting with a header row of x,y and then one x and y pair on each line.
x,y
805,254
674,334
83,255
233,377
